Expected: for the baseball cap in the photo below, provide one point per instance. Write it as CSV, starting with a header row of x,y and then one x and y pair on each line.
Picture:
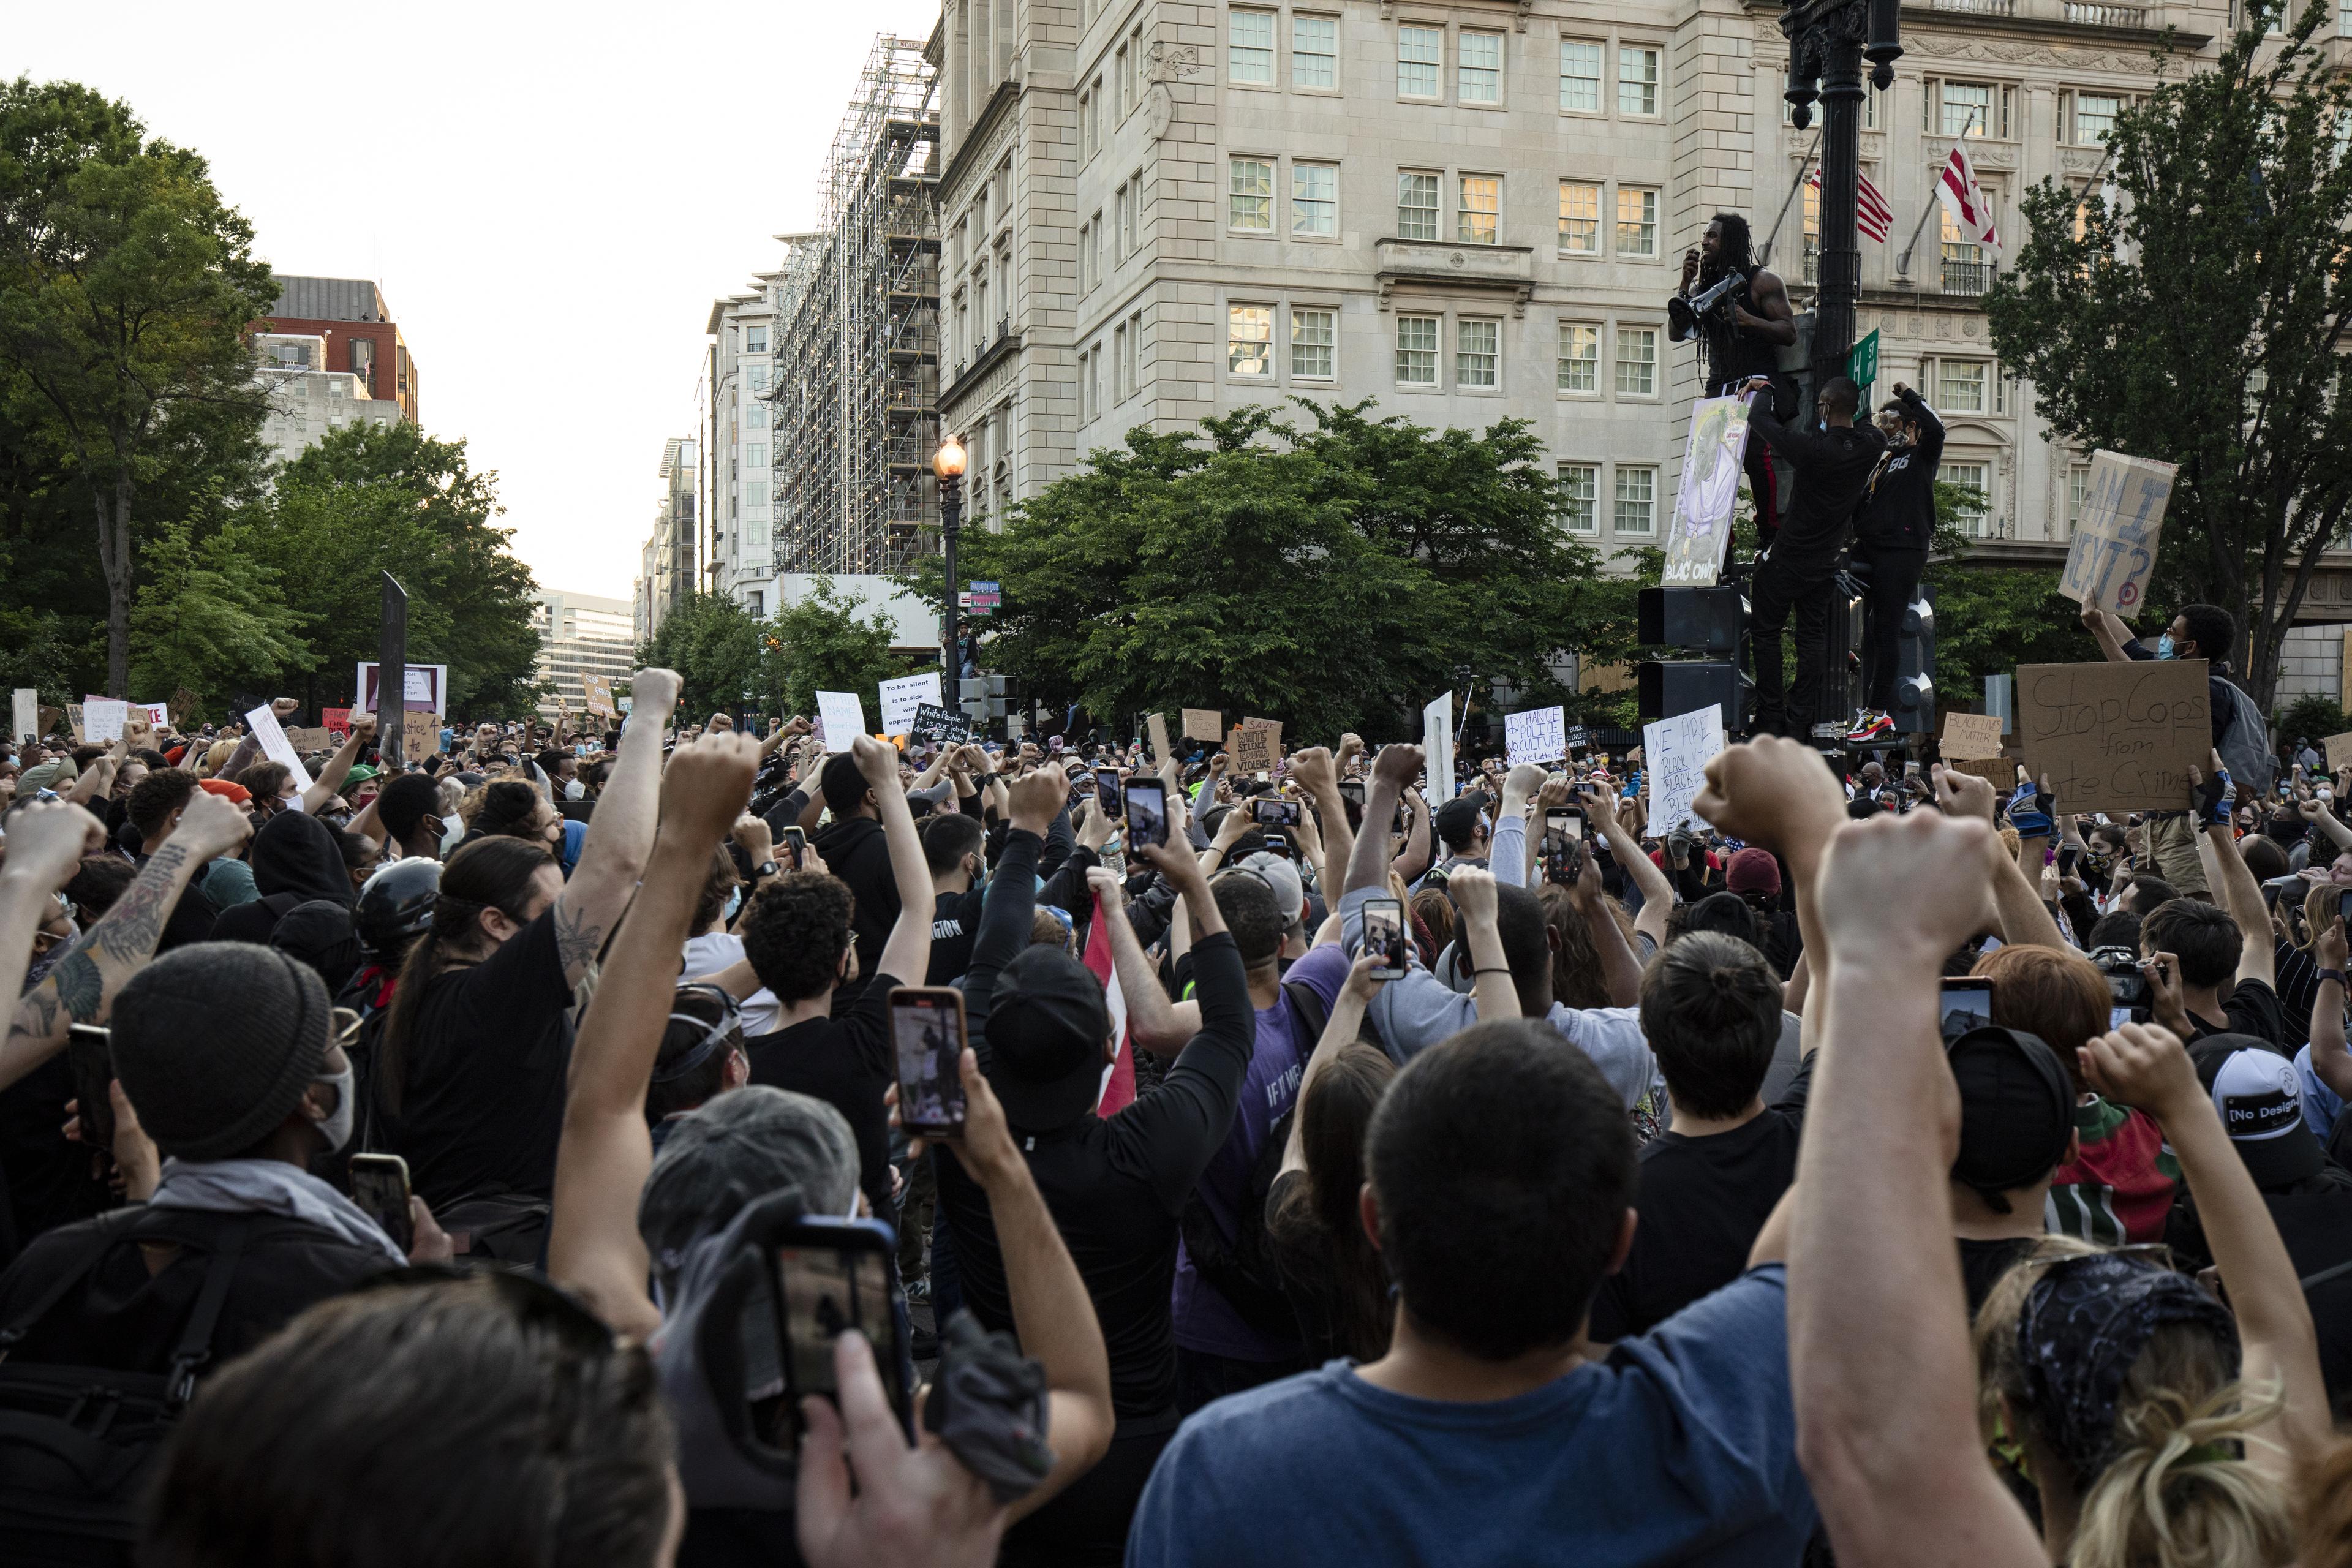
x,y
1045,1033
1457,817
1753,871
1289,893
2017,1108
2259,1097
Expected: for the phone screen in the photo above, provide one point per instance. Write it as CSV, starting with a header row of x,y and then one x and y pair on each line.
x,y
1384,937
2344,909
2067,855
1567,822
1276,813
1106,790
796,840
927,1026
1145,812
1352,790
89,1051
2118,1016
1967,1005
380,1188
822,1292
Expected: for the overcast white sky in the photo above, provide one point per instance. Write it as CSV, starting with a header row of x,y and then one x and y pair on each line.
x,y
550,195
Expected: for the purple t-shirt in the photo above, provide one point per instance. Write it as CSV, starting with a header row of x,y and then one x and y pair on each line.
x,y
1205,1321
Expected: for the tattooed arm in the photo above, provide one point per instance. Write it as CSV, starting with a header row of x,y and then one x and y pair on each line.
x,y
621,832
80,989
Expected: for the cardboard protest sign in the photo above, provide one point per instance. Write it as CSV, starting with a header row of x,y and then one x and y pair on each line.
x,y
73,717
1158,724
1998,771
49,717
1971,736
1255,748
2115,737
2339,751
276,746
1678,751
900,697
102,717
1538,735
1712,455
25,712
1205,724
420,735
316,737
935,724
844,717
2114,552
596,695
185,702
1437,747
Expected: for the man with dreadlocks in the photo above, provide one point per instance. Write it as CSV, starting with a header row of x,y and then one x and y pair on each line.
x,y
1741,333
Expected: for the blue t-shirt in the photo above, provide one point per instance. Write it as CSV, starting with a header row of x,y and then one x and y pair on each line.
x,y
1204,1320
1682,1448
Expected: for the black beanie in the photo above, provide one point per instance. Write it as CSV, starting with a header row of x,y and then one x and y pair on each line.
x,y
214,1043
2017,1109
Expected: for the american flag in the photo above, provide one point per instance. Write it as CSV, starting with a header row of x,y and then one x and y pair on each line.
x,y
1872,216
1119,1079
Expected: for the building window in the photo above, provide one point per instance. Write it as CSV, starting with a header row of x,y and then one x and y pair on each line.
x,y
1126,82
755,417
1478,67
1249,340
759,379
2094,116
1314,339
758,603
1579,498
1580,219
755,494
1967,108
1637,500
1637,362
1134,354
1314,51
1118,363
1580,78
1416,206
1250,47
1421,54
2078,486
1973,480
1478,352
1087,133
755,339
1086,257
1416,351
1249,207
1480,211
1637,81
1580,357
755,454
1960,385
1637,222
1315,199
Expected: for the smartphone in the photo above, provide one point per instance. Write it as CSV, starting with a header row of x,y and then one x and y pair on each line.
x,y
1352,790
89,1051
1400,826
1967,1005
1106,790
1146,810
2343,908
1384,937
1273,812
830,1276
2067,855
927,1026
380,1188
796,840
1565,822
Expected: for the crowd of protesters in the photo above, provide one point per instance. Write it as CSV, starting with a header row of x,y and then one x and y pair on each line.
x,y
1889,1166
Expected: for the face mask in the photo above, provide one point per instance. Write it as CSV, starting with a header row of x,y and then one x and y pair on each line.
x,y
2163,646
574,790
337,1128
734,902
291,803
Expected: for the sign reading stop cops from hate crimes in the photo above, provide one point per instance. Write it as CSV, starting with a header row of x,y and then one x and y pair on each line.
x,y
1677,751
2115,737
2114,552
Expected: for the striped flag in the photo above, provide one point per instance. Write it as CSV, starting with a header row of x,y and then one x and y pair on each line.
x,y
1872,216
1119,1079
1965,199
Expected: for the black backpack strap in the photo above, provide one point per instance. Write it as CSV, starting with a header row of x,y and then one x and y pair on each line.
x,y
2311,1282
1307,1008
196,1341
101,1234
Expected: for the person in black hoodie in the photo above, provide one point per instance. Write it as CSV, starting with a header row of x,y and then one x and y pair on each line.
x,y
856,851
1798,574
1892,534
296,859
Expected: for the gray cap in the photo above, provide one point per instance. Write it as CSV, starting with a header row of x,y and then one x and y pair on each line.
x,y
739,1146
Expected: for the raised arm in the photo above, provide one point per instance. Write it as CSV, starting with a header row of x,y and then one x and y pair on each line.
x,y
2024,918
1657,893
1413,860
1347,1016
621,832
1511,850
47,839
606,1151
2243,897
2110,633
908,952
1491,985
339,766
1395,767
80,988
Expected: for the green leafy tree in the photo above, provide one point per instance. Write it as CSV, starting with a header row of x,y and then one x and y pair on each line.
x,y
368,499
822,644
2313,718
126,284
210,617
1339,574
2201,320
713,643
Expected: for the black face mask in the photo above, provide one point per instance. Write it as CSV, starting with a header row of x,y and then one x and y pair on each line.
x,y
2286,830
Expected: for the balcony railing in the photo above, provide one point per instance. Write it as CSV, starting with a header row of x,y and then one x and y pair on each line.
x,y
2098,15
1976,8
1967,277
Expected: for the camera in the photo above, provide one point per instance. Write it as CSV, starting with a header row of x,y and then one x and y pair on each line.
x,y
2128,990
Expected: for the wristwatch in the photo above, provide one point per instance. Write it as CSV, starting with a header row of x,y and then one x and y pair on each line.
x,y
765,868
2334,975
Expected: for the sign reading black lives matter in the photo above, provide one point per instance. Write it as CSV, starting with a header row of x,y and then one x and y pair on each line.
x,y
937,724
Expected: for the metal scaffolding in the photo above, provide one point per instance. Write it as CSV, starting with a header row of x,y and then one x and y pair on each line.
x,y
857,361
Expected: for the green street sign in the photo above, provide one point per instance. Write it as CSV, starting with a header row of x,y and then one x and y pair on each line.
x,y
1862,361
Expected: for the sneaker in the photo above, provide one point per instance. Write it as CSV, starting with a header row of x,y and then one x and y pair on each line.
x,y
1869,726
922,1344
919,1290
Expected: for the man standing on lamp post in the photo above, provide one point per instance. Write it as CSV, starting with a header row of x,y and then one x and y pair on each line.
x,y
1741,333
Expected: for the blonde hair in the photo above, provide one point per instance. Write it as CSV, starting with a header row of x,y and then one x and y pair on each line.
x,y
2320,906
220,753
2176,1494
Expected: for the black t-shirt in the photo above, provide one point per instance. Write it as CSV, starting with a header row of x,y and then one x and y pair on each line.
x,y
858,852
1702,1202
1982,1263
845,1061
2315,1220
2252,1009
484,1063
955,926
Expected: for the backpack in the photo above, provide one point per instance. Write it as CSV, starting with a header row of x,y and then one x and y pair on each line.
x,y
1244,1271
2246,744
78,1445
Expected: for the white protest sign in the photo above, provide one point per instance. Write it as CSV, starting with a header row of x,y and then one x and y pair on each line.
x,y
276,746
1677,752
900,697
27,719
844,717
1538,735
1437,746
158,714
103,717
2114,552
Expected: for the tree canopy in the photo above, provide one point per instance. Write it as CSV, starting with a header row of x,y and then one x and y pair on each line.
x,y
2198,318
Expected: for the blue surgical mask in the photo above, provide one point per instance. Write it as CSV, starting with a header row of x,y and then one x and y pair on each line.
x,y
2163,646
734,902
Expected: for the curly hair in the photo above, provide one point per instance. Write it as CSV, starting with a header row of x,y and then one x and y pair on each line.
x,y
796,932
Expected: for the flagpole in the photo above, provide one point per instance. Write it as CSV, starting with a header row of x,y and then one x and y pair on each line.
x,y
1903,262
1764,256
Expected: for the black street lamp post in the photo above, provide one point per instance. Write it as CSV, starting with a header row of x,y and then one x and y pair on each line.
x,y
1828,41
948,463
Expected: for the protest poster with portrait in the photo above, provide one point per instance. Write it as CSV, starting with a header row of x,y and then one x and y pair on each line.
x,y
1712,455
